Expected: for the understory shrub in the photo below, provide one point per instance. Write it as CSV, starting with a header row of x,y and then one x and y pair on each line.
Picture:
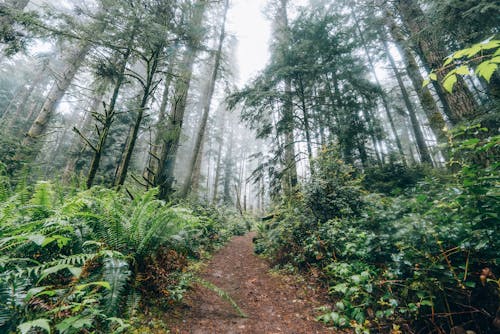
x,y
426,260
83,261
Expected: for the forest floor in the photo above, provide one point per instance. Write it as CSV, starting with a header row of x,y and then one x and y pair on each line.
x,y
273,302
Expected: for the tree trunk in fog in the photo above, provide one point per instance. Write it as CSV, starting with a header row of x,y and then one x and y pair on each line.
x,y
434,116
417,131
77,146
153,159
148,89
371,131
461,103
39,126
307,126
170,144
217,171
228,172
219,159
26,94
194,167
290,168
21,97
170,141
106,121
385,104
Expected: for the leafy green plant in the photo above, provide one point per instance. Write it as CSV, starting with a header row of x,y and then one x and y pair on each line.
x,y
421,259
77,261
481,59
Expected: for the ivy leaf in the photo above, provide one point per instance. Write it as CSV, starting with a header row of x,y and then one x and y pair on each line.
x,y
25,327
486,70
426,83
448,61
449,82
433,76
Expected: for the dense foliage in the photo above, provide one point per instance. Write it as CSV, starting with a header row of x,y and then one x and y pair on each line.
x,y
79,260
425,259
376,146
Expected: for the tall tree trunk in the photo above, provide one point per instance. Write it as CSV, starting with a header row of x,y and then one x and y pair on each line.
x,y
290,174
192,179
39,126
219,160
21,98
148,89
106,121
385,103
462,105
307,127
419,137
371,131
228,172
168,152
161,132
77,147
434,116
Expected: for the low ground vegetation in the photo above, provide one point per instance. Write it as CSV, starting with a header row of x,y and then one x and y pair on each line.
x,y
422,259
73,261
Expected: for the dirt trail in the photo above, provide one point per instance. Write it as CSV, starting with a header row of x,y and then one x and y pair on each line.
x,y
273,304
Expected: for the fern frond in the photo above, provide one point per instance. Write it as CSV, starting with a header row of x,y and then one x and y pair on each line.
x,y
117,274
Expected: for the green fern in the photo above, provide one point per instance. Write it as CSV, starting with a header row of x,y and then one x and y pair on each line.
x,y
13,292
116,272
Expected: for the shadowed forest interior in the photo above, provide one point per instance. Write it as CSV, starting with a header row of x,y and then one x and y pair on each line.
x,y
137,141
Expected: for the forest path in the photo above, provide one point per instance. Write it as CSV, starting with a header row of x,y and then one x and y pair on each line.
x,y
273,303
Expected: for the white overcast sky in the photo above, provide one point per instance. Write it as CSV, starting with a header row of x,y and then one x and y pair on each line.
x,y
247,22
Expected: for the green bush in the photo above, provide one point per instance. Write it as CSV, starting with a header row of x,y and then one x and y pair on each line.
x,y
426,259
80,261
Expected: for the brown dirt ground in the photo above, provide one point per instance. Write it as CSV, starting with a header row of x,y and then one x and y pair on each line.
x,y
273,303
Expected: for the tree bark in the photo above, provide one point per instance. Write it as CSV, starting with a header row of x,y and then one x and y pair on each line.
x,y
307,127
219,158
77,147
165,178
39,126
461,103
290,175
228,172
